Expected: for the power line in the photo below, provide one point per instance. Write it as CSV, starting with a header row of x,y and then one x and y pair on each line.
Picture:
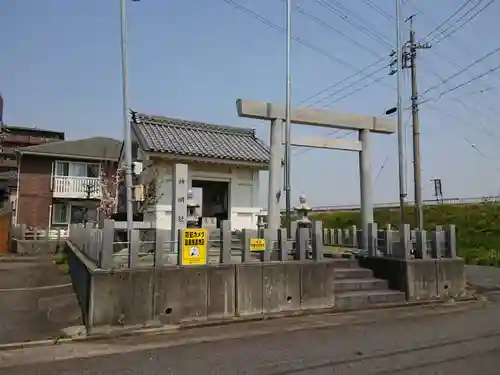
x,y
463,70
462,84
339,82
379,10
466,22
380,170
352,84
357,25
329,27
298,39
446,58
449,18
355,91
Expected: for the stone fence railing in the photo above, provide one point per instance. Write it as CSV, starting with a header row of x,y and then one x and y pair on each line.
x,y
108,247
408,243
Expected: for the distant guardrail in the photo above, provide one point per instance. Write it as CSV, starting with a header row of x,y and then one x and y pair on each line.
x,y
429,202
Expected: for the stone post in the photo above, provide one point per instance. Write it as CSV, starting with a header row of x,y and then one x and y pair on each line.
x,y
225,244
246,254
451,241
421,244
108,239
283,245
354,236
302,211
191,206
372,240
317,240
437,243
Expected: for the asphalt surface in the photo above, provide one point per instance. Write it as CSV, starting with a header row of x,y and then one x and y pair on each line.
x,y
465,342
36,300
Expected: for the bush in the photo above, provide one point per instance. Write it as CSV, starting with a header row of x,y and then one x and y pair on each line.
x,y
478,226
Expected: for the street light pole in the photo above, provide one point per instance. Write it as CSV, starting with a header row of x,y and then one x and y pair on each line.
x,y
126,121
288,199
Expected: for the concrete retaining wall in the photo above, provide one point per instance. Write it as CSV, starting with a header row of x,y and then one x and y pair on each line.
x,y
176,294
421,279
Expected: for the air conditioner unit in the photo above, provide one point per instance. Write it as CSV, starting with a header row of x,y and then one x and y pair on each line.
x,y
138,193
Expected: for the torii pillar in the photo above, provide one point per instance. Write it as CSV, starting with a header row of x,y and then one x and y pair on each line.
x,y
364,125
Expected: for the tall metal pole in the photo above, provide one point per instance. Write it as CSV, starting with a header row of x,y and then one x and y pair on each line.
x,y
126,121
401,132
288,199
417,172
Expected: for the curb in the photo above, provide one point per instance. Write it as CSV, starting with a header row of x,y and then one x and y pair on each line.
x,y
155,331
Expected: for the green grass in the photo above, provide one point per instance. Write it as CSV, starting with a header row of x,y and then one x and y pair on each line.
x,y
334,249
478,226
61,262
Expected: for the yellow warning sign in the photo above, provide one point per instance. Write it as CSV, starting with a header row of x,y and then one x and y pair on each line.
x,y
194,246
257,244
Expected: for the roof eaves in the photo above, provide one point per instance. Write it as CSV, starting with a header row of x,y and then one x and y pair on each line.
x,y
64,156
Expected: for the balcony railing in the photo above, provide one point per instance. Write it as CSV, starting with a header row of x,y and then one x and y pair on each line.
x,y
76,187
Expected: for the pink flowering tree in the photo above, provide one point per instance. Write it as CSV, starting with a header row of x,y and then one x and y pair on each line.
x,y
111,177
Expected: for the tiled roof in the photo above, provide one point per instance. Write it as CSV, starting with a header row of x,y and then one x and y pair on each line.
x,y
95,147
192,138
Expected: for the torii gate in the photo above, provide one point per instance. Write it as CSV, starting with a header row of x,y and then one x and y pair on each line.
x,y
364,125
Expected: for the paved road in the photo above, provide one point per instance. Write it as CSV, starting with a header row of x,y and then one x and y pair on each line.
x,y
465,342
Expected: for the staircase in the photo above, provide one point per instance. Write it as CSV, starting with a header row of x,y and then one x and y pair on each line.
x,y
356,288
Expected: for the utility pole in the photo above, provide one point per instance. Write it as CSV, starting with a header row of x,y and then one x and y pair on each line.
x,y
399,108
126,121
287,170
417,170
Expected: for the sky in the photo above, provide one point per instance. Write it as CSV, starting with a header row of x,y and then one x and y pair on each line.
x,y
60,69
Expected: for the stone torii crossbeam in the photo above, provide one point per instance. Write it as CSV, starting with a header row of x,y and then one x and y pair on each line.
x,y
364,125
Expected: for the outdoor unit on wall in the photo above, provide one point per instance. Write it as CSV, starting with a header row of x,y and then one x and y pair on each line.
x,y
138,193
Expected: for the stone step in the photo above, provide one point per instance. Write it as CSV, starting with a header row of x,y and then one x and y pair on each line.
x,y
364,299
345,263
345,285
353,273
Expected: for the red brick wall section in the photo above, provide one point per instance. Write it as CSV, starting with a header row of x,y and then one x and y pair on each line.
x,y
34,195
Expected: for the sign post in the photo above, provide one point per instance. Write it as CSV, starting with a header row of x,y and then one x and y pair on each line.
x,y
179,200
193,249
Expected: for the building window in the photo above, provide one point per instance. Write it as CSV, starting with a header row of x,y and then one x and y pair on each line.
x,y
76,169
60,213
67,213
62,168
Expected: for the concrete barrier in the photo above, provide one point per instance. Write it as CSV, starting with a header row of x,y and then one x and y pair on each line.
x,y
177,294
249,289
221,291
81,275
420,279
451,277
281,287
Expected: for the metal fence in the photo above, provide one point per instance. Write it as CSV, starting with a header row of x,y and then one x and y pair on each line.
x,y
26,232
